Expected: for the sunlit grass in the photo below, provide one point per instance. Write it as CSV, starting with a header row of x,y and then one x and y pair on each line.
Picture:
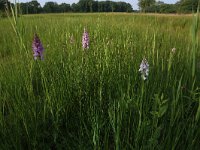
x,y
96,98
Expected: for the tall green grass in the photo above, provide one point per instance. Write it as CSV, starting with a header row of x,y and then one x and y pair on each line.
x,y
96,99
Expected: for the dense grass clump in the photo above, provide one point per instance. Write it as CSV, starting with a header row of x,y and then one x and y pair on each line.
x,y
95,98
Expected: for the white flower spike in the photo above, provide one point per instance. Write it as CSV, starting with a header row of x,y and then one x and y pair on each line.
x,y
173,50
144,69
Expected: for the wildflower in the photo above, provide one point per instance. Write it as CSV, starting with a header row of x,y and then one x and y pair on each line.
x,y
144,69
37,48
173,50
85,40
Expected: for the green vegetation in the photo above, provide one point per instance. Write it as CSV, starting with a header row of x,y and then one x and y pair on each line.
x,y
96,98
152,6
34,7
182,6
145,4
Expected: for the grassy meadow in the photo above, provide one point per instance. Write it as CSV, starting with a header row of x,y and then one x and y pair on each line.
x,y
95,98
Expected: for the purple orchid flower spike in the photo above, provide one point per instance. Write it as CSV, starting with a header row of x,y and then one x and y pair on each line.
x,y
85,39
37,48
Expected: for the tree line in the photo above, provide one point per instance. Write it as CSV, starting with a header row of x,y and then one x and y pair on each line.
x,y
182,6
34,7
146,6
